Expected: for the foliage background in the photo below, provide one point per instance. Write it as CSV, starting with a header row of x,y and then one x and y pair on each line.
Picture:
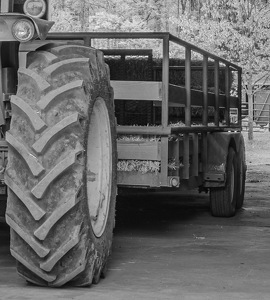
x,y
235,30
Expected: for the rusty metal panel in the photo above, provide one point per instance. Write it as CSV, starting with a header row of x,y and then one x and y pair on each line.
x,y
218,144
164,161
147,180
137,90
139,150
138,179
174,152
186,157
219,177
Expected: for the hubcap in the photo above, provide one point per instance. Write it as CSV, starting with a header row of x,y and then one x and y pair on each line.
x,y
99,167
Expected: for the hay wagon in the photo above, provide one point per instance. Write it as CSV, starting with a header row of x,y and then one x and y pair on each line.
x,y
178,115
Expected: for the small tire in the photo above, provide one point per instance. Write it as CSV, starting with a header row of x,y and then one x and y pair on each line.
x,y
241,175
223,200
61,170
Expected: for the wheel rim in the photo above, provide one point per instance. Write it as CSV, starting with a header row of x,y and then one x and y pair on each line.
x,y
232,183
99,167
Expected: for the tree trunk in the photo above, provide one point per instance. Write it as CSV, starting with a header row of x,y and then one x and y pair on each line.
x,y
250,112
166,15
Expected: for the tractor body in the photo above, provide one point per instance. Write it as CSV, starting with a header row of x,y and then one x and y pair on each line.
x,y
12,13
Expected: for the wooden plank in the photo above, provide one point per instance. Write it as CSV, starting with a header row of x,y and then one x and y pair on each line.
x,y
137,90
138,179
146,130
152,91
139,150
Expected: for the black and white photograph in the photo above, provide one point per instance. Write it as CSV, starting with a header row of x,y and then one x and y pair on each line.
x,y
135,149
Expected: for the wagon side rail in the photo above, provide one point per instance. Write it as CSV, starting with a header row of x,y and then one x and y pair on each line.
x,y
193,139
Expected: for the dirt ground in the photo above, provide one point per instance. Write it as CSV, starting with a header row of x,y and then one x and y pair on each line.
x,y
258,150
170,249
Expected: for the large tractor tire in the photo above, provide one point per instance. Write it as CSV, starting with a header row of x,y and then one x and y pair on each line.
x,y
223,200
241,175
61,169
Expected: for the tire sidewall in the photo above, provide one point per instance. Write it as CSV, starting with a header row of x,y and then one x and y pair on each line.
x,y
102,245
231,167
241,176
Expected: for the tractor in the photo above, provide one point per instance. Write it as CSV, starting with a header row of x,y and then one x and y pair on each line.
x,y
64,154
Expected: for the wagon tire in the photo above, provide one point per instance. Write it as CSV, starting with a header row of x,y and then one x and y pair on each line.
x,y
241,176
61,171
223,200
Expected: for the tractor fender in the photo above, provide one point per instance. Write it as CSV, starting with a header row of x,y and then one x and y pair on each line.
x,y
42,26
218,144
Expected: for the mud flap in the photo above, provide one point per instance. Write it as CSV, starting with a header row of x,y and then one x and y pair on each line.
x,y
217,151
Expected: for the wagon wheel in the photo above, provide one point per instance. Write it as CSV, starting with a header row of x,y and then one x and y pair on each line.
x,y
223,200
241,176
